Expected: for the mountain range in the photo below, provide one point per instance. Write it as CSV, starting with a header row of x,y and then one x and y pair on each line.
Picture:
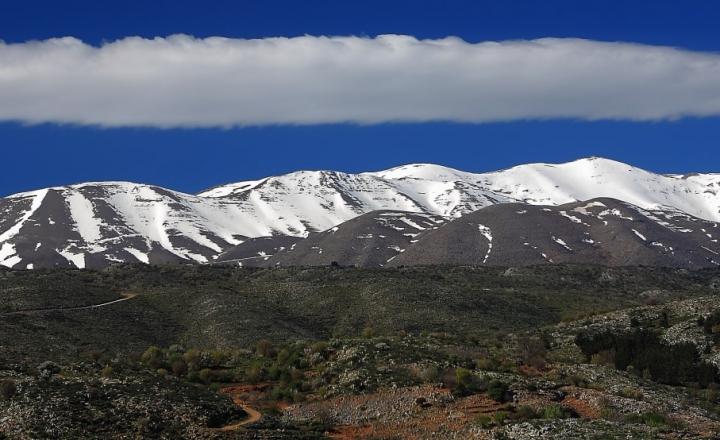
x,y
591,210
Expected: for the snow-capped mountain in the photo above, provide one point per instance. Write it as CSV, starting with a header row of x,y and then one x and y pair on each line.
x,y
95,224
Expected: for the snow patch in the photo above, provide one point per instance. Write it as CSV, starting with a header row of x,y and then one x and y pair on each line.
x,y
141,256
572,218
38,197
86,221
642,237
562,243
76,259
487,233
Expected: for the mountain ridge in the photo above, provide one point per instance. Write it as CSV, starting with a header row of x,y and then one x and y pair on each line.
x,y
98,223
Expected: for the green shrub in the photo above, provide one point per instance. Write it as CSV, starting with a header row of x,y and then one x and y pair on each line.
x,y
498,390
106,372
205,375
500,417
254,374
319,347
644,349
429,374
525,412
649,418
218,357
368,333
555,411
631,393
465,382
654,419
153,357
192,359
484,421
486,363
283,356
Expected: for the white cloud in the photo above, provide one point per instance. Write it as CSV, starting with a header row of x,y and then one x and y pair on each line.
x,y
182,81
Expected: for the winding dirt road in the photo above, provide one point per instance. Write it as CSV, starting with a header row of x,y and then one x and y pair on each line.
x,y
236,392
124,297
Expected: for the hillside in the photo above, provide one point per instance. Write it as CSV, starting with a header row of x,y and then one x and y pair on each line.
x,y
598,231
561,351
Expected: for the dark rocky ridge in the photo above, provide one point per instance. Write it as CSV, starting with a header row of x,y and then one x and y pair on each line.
x,y
370,240
256,251
599,231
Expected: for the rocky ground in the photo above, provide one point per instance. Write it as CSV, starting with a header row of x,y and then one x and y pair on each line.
x,y
84,401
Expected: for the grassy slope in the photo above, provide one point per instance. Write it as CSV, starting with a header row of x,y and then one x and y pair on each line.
x,y
224,306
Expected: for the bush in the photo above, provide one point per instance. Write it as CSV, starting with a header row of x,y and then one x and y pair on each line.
x,y
192,359
319,347
498,391
465,382
265,348
484,421
368,333
604,357
532,352
429,374
631,393
218,357
205,375
643,349
8,389
577,381
555,411
525,412
106,372
486,363
500,417
179,367
649,418
253,374
283,357
153,357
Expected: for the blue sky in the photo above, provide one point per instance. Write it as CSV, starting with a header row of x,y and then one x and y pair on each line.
x,y
190,159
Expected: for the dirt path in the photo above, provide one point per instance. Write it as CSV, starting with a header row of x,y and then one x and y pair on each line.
x,y
124,297
236,393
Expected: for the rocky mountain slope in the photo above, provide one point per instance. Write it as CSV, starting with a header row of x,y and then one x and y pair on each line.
x,y
598,231
97,224
370,240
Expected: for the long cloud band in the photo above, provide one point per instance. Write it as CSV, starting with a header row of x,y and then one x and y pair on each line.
x,y
182,81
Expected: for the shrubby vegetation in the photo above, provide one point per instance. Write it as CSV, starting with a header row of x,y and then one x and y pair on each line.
x,y
643,352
